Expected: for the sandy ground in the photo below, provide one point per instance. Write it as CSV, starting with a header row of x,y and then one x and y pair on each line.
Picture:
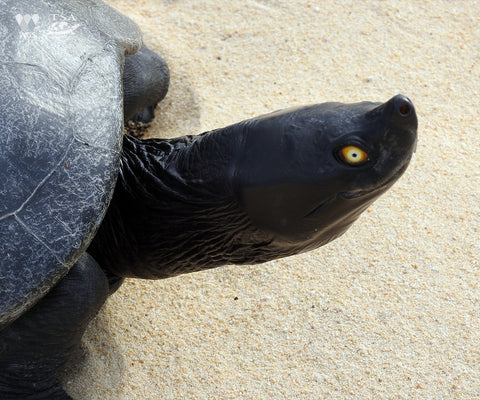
x,y
389,311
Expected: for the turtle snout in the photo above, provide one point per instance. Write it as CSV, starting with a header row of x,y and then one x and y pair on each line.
x,y
400,110
403,106
400,117
396,123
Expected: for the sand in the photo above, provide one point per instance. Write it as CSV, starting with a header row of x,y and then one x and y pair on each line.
x,y
391,310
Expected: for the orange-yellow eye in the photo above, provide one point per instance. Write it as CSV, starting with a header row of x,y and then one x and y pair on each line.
x,y
353,155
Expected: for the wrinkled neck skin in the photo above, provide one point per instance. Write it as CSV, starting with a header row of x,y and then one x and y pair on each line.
x,y
175,210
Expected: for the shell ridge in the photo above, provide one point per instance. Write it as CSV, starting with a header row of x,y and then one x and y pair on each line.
x,y
37,188
38,239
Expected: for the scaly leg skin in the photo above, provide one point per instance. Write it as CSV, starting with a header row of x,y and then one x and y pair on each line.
x,y
36,345
145,83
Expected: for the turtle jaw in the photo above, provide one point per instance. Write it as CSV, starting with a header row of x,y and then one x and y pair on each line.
x,y
360,194
380,189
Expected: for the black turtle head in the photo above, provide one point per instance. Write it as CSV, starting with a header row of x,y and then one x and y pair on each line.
x,y
306,174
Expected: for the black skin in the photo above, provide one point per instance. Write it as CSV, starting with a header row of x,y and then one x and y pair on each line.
x,y
265,188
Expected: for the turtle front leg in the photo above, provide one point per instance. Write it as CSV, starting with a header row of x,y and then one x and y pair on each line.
x,y
145,83
36,345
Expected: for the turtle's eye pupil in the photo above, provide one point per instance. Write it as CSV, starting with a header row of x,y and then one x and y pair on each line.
x,y
353,155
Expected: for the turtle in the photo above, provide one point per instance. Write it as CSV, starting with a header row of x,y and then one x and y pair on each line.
x,y
84,206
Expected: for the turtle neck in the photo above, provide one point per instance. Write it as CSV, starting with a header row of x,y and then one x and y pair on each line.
x,y
174,210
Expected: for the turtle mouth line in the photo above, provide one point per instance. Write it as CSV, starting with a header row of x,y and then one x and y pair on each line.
x,y
381,188
357,194
328,200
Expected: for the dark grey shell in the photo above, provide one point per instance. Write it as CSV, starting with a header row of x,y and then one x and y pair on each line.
x,y
61,126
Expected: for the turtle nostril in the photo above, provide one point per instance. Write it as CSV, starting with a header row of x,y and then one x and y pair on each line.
x,y
404,109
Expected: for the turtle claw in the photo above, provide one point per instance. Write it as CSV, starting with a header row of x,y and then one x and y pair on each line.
x,y
139,123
